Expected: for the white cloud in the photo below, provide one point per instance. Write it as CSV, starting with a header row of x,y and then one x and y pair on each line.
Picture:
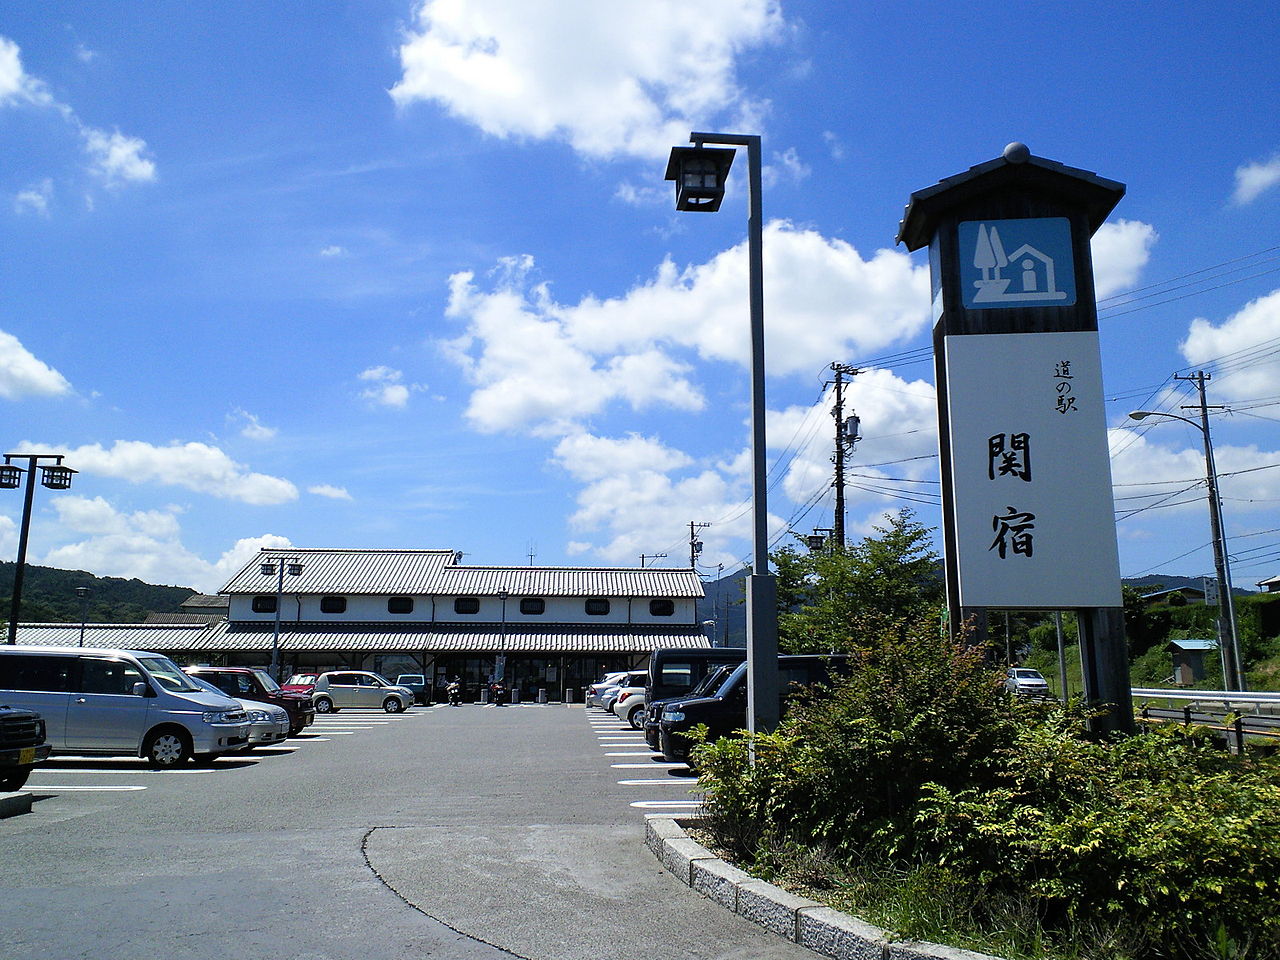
x,y
386,389
788,164
1254,179
333,250
899,423
834,144
1120,251
1145,465
34,199
116,158
145,544
253,428
330,491
607,78
1256,323
822,299
16,85
630,498
22,375
195,466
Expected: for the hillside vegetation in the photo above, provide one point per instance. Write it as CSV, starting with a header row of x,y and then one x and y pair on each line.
x,y
49,596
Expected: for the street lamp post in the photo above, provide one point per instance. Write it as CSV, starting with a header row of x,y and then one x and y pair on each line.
x,y
1228,641
500,662
276,569
55,477
83,594
700,175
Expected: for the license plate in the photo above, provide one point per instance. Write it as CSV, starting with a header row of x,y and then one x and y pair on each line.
x,y
27,755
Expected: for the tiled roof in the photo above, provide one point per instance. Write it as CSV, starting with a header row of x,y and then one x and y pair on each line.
x,y
439,638
434,573
419,638
115,636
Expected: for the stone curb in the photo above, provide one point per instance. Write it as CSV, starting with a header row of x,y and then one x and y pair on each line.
x,y
14,804
802,921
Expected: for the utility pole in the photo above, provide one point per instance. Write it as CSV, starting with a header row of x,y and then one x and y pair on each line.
x,y
1228,641
650,556
846,437
695,545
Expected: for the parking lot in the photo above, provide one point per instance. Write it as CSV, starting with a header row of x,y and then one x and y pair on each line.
x,y
475,831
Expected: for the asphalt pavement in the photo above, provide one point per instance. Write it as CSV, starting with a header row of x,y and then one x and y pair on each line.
x,y
470,832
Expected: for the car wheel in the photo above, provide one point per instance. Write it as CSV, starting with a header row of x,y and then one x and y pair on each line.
x,y
392,705
324,705
635,719
14,779
167,748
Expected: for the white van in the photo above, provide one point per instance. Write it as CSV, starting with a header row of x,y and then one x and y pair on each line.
x,y
120,702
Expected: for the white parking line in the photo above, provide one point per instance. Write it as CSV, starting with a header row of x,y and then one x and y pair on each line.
x,y
639,753
645,783
58,771
646,766
31,787
665,804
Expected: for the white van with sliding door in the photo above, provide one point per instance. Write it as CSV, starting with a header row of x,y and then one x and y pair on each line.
x,y
121,702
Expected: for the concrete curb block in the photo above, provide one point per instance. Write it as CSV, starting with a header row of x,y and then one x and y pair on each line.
x,y
14,804
802,921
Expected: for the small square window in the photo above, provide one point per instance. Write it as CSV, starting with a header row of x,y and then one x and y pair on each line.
x,y
466,605
533,606
400,605
597,607
662,607
264,604
333,604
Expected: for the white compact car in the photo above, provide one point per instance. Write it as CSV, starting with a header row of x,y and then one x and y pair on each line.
x,y
339,689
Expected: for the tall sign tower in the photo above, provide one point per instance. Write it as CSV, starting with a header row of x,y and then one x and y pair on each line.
x,y
1028,515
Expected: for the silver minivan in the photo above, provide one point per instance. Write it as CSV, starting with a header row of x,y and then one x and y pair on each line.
x,y
121,702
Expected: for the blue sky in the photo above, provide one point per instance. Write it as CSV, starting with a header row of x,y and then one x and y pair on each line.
x,y
406,274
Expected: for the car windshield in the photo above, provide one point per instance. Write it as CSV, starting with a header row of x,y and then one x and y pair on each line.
x,y
265,679
409,678
1028,674
302,679
166,673
729,681
710,681
380,680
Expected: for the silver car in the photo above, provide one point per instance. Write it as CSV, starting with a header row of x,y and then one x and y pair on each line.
x,y
339,689
268,723
1026,682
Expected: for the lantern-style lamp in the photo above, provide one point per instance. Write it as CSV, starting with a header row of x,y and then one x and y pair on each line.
x,y
56,477
268,569
295,569
10,477
700,174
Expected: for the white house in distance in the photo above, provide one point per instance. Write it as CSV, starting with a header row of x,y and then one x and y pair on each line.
x,y
422,611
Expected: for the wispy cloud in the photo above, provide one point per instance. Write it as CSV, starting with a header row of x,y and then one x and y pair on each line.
x,y
1254,179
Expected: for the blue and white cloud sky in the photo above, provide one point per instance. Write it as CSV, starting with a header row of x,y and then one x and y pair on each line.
x,y
405,273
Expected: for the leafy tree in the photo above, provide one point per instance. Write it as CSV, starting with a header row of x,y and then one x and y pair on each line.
x,y
884,581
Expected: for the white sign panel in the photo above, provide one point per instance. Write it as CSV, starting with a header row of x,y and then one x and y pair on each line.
x,y
1035,522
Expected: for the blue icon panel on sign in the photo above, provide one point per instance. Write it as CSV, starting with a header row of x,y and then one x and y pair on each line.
x,y
1017,263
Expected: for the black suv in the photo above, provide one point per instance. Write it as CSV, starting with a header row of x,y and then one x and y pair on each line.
x,y
22,746
725,709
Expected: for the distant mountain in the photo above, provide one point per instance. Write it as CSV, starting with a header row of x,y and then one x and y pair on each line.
x,y
49,596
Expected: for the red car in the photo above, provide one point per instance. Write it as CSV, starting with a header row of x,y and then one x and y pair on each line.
x,y
300,683
243,683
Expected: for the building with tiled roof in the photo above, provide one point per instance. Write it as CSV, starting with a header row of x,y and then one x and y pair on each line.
x,y
422,611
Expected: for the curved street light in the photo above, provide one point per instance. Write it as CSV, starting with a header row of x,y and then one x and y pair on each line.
x,y
1228,641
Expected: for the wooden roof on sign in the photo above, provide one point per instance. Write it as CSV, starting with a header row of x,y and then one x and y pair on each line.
x,y
1080,188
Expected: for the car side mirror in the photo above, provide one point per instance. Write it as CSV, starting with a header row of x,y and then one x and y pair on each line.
x,y
141,689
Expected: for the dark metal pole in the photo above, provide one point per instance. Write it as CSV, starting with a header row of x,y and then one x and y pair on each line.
x,y
16,605
275,638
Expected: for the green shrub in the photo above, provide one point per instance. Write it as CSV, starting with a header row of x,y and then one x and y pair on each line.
x,y
919,762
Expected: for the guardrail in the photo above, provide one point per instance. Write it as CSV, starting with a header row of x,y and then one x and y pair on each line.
x,y
1240,724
